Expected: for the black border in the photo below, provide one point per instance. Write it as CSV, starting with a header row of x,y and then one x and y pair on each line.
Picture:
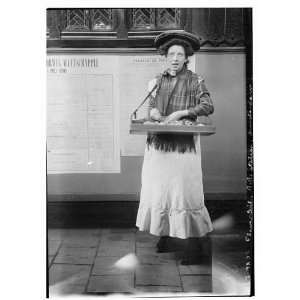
x,y
250,164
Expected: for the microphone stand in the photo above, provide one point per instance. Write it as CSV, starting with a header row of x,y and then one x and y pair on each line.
x,y
133,115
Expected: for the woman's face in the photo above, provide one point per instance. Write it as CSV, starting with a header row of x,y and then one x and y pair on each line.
x,y
176,58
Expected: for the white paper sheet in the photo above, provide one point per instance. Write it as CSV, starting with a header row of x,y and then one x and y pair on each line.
x,y
82,114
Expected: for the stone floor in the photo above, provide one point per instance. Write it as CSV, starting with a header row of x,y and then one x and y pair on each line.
x,y
101,261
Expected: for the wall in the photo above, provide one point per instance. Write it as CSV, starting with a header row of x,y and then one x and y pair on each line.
x,y
224,154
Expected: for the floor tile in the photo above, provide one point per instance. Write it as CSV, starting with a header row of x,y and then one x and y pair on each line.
x,y
69,250
155,272
146,250
152,251
118,236
150,258
105,266
157,275
200,283
81,241
60,234
146,244
153,289
53,247
116,248
236,261
50,259
204,269
228,282
66,289
75,255
111,284
68,274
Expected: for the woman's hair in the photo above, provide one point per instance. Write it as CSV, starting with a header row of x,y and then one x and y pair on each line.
x,y
163,49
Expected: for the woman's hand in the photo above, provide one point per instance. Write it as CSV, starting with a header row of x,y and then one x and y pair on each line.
x,y
175,116
155,114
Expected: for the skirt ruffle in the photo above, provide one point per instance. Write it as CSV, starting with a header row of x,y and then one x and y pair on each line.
x,y
172,200
181,224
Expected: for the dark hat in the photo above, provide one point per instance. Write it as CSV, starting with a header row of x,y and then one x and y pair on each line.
x,y
177,34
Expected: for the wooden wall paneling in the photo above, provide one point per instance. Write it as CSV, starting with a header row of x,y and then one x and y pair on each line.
x,y
216,25
200,24
121,18
187,19
234,33
53,23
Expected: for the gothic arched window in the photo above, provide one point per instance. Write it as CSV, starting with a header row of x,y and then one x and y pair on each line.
x,y
155,18
101,19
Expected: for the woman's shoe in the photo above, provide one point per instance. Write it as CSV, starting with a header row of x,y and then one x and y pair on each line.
x,y
162,245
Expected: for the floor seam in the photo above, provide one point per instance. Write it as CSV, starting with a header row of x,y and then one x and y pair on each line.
x,y
54,256
92,266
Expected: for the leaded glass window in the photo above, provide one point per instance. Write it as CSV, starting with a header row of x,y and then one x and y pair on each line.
x,y
89,19
77,20
143,18
168,18
101,19
155,18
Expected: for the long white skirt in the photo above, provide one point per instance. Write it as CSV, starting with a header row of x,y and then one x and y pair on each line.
x,y
172,200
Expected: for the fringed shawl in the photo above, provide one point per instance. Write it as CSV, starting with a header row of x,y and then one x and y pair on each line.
x,y
170,98
172,142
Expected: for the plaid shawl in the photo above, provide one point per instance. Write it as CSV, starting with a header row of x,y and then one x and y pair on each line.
x,y
186,90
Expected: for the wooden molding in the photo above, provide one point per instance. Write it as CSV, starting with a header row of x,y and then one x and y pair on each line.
x,y
132,197
216,28
88,211
138,50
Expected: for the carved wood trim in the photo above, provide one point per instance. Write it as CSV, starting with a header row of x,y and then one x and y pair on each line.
x,y
216,28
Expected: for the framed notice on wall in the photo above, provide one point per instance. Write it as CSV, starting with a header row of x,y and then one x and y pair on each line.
x,y
82,114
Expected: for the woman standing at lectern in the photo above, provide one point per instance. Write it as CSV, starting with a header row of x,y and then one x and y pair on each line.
x,y
172,199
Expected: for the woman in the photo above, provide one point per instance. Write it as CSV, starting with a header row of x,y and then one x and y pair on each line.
x,y
172,200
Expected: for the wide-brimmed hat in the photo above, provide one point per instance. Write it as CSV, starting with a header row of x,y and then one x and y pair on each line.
x,y
177,34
